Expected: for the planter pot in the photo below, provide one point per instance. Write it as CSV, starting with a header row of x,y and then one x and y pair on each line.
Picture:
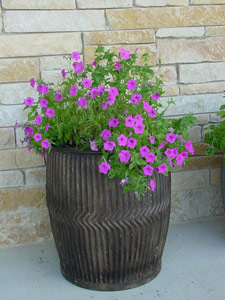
x,y
106,240
223,182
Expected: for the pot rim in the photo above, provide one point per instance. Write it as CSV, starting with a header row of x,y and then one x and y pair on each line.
x,y
71,149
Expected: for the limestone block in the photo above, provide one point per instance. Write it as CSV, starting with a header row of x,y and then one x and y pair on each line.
x,y
188,180
201,88
200,149
104,3
0,19
202,119
20,137
8,159
15,93
172,90
191,50
203,162
55,62
35,176
40,4
9,114
214,118
168,73
52,20
13,178
215,176
39,44
215,31
207,2
195,134
53,76
18,69
166,17
161,2
119,37
25,159
180,32
7,138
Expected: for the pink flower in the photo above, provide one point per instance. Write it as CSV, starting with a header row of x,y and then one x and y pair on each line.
x,y
138,119
156,96
86,83
29,148
43,154
43,89
139,128
189,147
117,65
94,92
50,113
150,157
47,127
106,134
29,130
146,106
131,143
180,138
124,156
104,105
131,84
135,98
78,67
152,113
104,167
170,137
144,151
73,90
152,184
45,144
58,97
129,121
93,145
63,72
162,168
43,103
82,101
122,140
152,139
38,120
111,100
37,137
109,145
169,153
171,164
101,89
113,91
76,55
162,146
32,82
94,63
114,122
148,170
28,101
123,181
125,54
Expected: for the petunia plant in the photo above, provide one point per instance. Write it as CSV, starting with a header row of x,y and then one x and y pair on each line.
x,y
111,106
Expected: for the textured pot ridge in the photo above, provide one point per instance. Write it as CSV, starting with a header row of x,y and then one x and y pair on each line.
x,y
106,240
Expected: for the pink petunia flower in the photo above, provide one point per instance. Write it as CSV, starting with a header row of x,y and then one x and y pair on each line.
x,y
82,101
76,55
170,137
86,83
73,90
148,170
162,168
38,119
106,134
131,143
32,82
47,127
123,181
111,100
37,137
93,145
189,147
94,63
124,156
78,67
152,139
104,167
45,144
129,121
117,65
169,153
139,128
146,106
113,91
43,154
63,72
29,101
101,89
162,146
136,98
50,113
150,157
58,97
94,92
152,113
125,54
43,103
104,105
131,84
155,96
122,140
109,145
114,122
29,130
138,119
43,89
144,151
152,184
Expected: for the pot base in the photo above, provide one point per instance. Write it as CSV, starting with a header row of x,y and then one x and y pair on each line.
x,y
119,286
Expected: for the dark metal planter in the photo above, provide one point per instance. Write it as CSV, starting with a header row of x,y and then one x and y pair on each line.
x,y
106,240
223,182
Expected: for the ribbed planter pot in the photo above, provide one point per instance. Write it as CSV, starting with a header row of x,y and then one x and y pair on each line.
x,y
223,182
106,240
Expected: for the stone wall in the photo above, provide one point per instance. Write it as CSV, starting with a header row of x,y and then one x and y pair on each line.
x,y
187,35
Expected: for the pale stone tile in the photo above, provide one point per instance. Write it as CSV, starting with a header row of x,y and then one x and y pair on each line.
x,y
207,2
8,160
214,118
168,73
180,32
53,76
210,87
39,44
15,93
104,3
215,31
9,114
35,176
13,178
0,19
166,17
55,63
40,4
119,37
26,159
18,69
215,176
161,2
170,90
47,21
20,137
7,138
195,134
202,119
191,50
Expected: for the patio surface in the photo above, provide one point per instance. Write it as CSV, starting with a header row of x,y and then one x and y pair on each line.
x,y
193,269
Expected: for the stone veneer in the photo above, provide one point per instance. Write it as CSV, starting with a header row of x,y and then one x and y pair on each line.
x,y
187,35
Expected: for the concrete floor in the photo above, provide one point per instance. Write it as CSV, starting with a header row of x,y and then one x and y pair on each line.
x,y
193,269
